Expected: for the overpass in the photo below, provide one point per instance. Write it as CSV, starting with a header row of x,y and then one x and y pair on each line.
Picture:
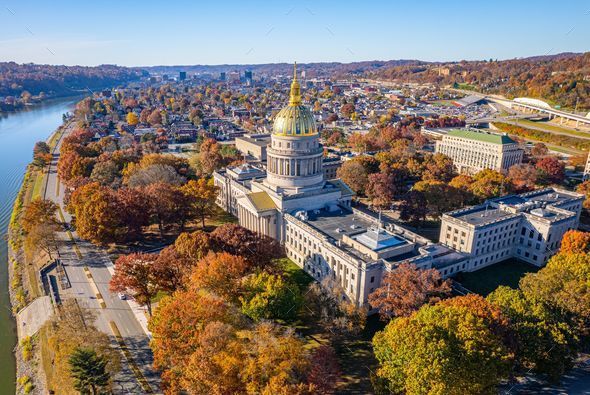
x,y
553,113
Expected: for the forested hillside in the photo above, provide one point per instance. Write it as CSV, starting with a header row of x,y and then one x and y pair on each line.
x,y
562,79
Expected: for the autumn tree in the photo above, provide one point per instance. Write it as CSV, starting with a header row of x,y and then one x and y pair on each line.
x,y
353,173
134,274
413,207
550,170
221,274
269,296
575,242
440,196
490,183
194,245
133,210
38,211
106,173
177,327
546,343
258,250
523,177
325,371
168,205
97,214
446,349
201,195
539,150
41,154
132,119
406,288
438,167
172,269
383,187
209,156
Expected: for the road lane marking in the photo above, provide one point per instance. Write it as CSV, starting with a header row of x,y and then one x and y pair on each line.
x,y
134,368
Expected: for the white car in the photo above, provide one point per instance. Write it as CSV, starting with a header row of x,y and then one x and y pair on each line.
x,y
122,296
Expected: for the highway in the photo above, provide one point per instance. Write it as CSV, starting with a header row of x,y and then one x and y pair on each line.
x,y
89,268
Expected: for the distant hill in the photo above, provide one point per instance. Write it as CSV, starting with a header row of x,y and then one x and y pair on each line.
x,y
60,80
328,69
562,79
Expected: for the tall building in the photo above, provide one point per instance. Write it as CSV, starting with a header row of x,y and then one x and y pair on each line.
x,y
222,76
182,76
475,150
528,227
313,217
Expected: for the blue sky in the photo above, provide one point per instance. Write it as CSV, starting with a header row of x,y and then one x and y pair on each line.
x,y
178,32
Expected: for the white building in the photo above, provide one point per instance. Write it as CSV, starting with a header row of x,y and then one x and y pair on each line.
x,y
587,169
528,227
475,150
294,203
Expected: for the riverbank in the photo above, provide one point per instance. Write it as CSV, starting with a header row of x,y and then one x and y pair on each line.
x,y
24,285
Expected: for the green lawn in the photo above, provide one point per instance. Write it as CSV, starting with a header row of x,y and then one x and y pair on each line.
x,y
486,280
296,274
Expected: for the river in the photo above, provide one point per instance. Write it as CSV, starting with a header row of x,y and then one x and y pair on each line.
x,y
18,134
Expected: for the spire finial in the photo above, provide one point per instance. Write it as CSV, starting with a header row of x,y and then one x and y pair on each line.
x,y
295,94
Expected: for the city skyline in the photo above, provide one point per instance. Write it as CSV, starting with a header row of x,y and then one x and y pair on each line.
x,y
180,33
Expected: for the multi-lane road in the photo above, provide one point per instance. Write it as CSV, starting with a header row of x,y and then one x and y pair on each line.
x,y
89,269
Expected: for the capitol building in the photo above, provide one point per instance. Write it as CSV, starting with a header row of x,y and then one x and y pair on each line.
x,y
291,201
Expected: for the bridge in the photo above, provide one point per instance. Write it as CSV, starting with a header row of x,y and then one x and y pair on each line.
x,y
529,107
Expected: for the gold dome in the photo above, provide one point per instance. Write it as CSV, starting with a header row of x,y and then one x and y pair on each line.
x,y
295,119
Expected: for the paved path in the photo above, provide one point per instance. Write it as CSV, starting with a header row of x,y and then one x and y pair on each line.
x,y
89,269
30,319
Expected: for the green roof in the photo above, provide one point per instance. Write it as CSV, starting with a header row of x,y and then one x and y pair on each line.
x,y
261,201
485,137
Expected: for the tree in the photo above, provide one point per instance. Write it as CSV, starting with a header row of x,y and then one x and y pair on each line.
x,y
575,242
88,370
438,167
97,214
539,150
179,327
132,119
462,183
327,304
406,288
563,284
153,174
38,211
106,173
440,197
523,177
413,207
325,371
135,274
268,296
584,188
172,270
442,349
490,183
193,246
133,210
354,175
221,274
41,154
384,186
545,341
168,205
72,165
551,169
259,251
201,194
209,157
155,117
41,237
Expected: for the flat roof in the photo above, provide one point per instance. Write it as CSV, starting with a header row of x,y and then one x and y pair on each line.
x,y
260,141
485,137
481,215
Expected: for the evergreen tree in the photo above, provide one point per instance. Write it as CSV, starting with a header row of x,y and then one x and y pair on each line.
x,y
88,370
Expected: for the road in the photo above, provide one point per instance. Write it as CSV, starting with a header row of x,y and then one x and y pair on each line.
x,y
80,257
